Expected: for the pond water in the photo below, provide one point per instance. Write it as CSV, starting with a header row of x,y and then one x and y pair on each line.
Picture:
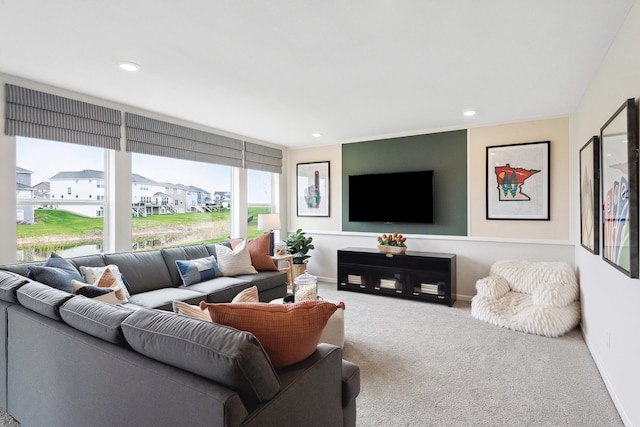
x,y
41,253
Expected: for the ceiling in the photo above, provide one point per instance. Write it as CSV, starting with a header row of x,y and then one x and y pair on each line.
x,y
279,71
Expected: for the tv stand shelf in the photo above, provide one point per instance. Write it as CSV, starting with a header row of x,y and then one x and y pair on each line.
x,y
423,276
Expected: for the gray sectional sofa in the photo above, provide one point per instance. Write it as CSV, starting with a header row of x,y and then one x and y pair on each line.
x,y
69,360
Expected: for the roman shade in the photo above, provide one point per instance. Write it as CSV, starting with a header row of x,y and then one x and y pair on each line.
x,y
158,138
35,114
262,158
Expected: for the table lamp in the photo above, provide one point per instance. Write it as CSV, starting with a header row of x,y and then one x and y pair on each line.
x,y
269,222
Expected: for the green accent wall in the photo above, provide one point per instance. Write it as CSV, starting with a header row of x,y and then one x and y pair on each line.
x,y
445,153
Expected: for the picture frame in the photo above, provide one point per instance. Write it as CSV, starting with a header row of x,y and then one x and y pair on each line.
x,y
518,181
619,188
312,189
590,195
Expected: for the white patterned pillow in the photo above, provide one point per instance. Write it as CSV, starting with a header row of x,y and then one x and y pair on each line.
x,y
247,295
107,288
234,262
92,274
189,310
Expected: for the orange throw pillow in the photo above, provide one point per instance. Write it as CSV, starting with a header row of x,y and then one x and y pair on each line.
x,y
289,333
259,251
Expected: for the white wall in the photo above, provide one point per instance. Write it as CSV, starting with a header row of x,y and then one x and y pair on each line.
x,y
487,242
610,313
473,256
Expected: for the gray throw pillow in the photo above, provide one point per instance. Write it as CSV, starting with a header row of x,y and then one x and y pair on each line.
x,y
56,272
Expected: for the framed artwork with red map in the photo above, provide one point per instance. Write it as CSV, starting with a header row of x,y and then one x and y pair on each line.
x,y
312,189
518,181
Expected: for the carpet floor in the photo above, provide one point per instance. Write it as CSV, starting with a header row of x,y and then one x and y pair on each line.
x,y
426,364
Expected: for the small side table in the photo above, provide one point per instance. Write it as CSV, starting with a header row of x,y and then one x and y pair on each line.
x,y
289,260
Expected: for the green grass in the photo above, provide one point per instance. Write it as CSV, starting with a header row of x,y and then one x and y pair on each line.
x,y
59,222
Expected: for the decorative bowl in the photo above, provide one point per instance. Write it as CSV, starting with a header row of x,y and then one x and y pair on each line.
x,y
387,249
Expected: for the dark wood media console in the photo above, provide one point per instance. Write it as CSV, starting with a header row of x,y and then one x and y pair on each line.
x,y
421,276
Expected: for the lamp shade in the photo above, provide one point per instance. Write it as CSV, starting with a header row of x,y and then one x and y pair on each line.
x,y
269,222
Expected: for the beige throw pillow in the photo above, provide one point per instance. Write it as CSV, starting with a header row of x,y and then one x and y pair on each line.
x,y
189,310
247,295
234,262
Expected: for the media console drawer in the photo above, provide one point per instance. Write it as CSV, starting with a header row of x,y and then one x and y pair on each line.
x,y
423,276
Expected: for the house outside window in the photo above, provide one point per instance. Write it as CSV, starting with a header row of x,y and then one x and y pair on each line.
x,y
176,195
43,222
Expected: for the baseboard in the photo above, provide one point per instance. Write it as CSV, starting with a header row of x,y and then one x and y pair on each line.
x,y
607,383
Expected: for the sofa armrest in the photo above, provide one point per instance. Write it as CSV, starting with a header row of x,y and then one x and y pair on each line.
x,y
310,393
350,390
492,287
555,294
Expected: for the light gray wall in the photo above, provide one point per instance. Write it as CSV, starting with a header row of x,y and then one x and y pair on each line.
x,y
610,313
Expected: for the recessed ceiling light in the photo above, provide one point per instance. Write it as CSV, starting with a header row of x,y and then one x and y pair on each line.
x,y
469,113
128,66
316,135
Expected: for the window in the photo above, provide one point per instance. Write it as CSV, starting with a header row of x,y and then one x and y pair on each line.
x,y
260,197
69,227
177,202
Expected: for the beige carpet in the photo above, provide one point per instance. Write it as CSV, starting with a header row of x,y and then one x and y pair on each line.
x,y
425,364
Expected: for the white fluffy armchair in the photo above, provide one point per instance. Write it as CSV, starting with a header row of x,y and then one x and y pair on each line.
x,y
534,297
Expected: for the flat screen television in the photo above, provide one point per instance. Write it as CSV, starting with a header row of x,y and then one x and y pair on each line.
x,y
398,197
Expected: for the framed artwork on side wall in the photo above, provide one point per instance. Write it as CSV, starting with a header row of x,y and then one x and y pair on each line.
x,y
312,189
518,181
619,158
590,195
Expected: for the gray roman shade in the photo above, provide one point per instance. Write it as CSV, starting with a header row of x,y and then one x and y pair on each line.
x,y
262,158
158,138
41,115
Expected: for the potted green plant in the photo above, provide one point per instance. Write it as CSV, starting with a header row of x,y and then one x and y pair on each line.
x,y
299,246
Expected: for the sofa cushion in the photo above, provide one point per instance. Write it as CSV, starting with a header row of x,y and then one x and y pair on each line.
x,y
95,318
96,260
259,252
108,287
43,299
144,270
265,281
197,270
190,310
163,298
21,269
56,272
211,247
220,289
225,355
233,262
289,333
188,252
9,283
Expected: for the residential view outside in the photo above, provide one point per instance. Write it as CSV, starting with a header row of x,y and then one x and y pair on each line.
x,y
60,192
